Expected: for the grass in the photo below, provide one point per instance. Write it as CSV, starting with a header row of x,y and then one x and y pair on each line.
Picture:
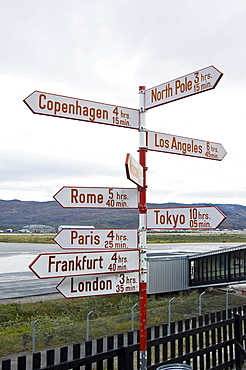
x,y
167,237
26,238
63,321
196,238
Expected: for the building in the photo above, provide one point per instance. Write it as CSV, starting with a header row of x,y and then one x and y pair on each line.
x,y
179,267
38,229
71,227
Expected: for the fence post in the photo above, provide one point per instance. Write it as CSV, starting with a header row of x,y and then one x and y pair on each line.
x,y
36,360
21,363
237,333
76,353
123,358
6,364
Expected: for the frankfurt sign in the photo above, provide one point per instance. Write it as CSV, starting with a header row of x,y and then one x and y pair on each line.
x,y
50,265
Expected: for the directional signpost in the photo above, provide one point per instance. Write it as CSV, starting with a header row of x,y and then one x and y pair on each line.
x,y
82,110
184,218
50,265
105,239
199,81
84,286
182,87
78,197
112,264
184,146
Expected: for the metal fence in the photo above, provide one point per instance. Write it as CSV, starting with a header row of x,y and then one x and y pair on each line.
x,y
204,342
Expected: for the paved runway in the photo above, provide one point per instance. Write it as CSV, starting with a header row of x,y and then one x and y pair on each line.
x,y
17,280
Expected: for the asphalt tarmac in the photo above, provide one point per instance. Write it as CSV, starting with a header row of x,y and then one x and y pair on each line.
x,y
17,280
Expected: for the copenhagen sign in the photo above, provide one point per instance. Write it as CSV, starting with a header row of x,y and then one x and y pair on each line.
x,y
82,110
182,87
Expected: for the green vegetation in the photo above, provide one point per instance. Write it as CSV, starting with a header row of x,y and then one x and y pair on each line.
x,y
26,238
197,238
63,321
167,237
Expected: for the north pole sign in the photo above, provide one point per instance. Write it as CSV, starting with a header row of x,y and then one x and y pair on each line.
x,y
82,110
184,218
182,87
86,286
50,265
105,239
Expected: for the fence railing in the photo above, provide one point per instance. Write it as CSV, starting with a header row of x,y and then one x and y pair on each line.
x,y
205,342
50,333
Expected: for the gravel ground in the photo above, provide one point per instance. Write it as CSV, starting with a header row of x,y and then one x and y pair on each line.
x,y
30,299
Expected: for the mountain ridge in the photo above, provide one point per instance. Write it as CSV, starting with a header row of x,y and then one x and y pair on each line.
x,y
17,213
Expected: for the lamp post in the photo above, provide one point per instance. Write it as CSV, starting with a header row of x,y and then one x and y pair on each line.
x,y
200,303
34,335
87,325
133,315
169,315
227,301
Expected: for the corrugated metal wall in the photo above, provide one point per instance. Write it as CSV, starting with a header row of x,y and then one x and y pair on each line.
x,y
167,274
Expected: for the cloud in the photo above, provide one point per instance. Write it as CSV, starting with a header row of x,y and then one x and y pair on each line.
x,y
21,166
103,51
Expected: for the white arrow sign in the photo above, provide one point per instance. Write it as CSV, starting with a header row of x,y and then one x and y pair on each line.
x,y
184,218
185,146
78,197
182,87
82,110
134,171
85,286
97,239
50,265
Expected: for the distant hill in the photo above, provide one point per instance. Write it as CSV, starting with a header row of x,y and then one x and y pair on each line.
x,y
16,213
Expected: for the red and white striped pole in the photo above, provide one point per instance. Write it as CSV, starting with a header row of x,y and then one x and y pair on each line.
x,y
142,236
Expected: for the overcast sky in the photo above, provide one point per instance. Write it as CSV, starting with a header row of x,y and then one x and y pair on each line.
x,y
103,50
